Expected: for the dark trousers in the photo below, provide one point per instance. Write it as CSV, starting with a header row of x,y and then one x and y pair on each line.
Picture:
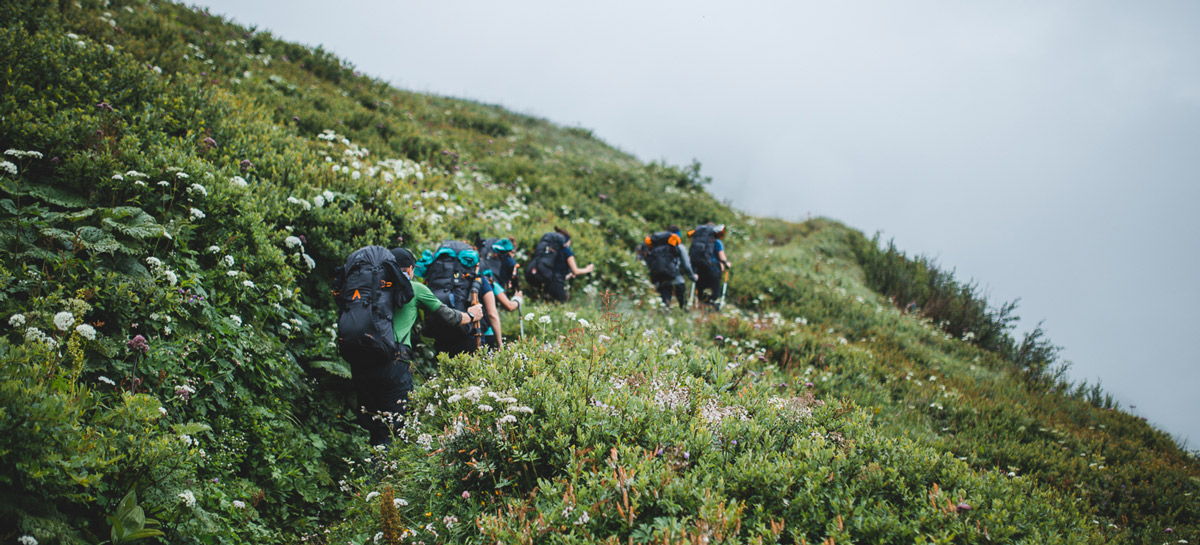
x,y
667,289
381,383
555,289
708,287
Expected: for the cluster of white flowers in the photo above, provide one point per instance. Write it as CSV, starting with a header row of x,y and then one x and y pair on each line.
x,y
293,242
237,320
8,167
16,320
300,202
23,154
544,319
86,331
27,540
189,499
529,316
64,320
197,189
239,504
197,214
238,181
713,412
35,335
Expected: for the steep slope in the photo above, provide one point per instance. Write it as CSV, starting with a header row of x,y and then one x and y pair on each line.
x,y
178,190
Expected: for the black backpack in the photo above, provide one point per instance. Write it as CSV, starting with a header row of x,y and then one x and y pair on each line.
x,y
489,261
704,243
367,290
662,256
545,256
448,278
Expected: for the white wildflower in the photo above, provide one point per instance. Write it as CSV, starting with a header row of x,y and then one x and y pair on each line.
x,y
529,316
399,502
584,323
238,181
197,189
507,419
86,331
214,249
197,214
63,320
232,273
308,260
163,411
182,175
17,320
328,195
154,263
544,320
118,177
372,496
8,167
239,504
237,320
189,499
355,175
227,260
485,408
318,201
27,540
106,380
248,283
449,520
292,242
164,183
570,315
425,440
171,277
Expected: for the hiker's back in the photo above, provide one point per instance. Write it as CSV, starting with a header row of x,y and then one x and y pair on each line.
x,y
367,290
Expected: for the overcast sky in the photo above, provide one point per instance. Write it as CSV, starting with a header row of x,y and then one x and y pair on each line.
x,y
1049,150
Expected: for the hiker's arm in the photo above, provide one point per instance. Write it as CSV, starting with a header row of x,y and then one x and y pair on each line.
x,y
724,261
510,305
575,270
493,314
687,263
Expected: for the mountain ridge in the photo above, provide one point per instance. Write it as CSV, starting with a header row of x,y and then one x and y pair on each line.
x,y
197,182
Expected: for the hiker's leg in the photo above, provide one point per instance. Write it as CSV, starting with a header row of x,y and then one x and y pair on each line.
x,y
557,290
681,294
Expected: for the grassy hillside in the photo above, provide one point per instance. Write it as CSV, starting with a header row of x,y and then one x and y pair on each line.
x,y
177,191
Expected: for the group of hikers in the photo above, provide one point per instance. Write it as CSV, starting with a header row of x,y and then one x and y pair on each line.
x,y
461,290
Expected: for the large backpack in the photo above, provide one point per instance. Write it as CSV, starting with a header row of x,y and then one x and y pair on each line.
x,y
367,290
545,256
451,273
704,243
490,262
450,276
662,256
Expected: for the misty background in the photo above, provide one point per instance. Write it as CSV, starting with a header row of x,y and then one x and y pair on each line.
x,y
1049,151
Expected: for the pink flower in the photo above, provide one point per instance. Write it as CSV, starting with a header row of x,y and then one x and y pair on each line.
x,y
964,506
138,343
466,495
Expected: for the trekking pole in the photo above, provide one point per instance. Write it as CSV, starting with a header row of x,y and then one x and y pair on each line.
x,y
479,324
516,287
692,296
724,283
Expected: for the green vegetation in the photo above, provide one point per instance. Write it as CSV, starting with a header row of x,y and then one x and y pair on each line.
x,y
178,190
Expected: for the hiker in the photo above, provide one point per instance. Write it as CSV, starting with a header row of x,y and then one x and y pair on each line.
x,y
497,264
374,294
668,263
553,263
707,254
451,274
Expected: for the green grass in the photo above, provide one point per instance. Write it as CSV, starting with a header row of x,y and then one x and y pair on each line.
x,y
197,184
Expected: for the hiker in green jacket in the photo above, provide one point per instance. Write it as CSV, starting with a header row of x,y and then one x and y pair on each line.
x,y
405,318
